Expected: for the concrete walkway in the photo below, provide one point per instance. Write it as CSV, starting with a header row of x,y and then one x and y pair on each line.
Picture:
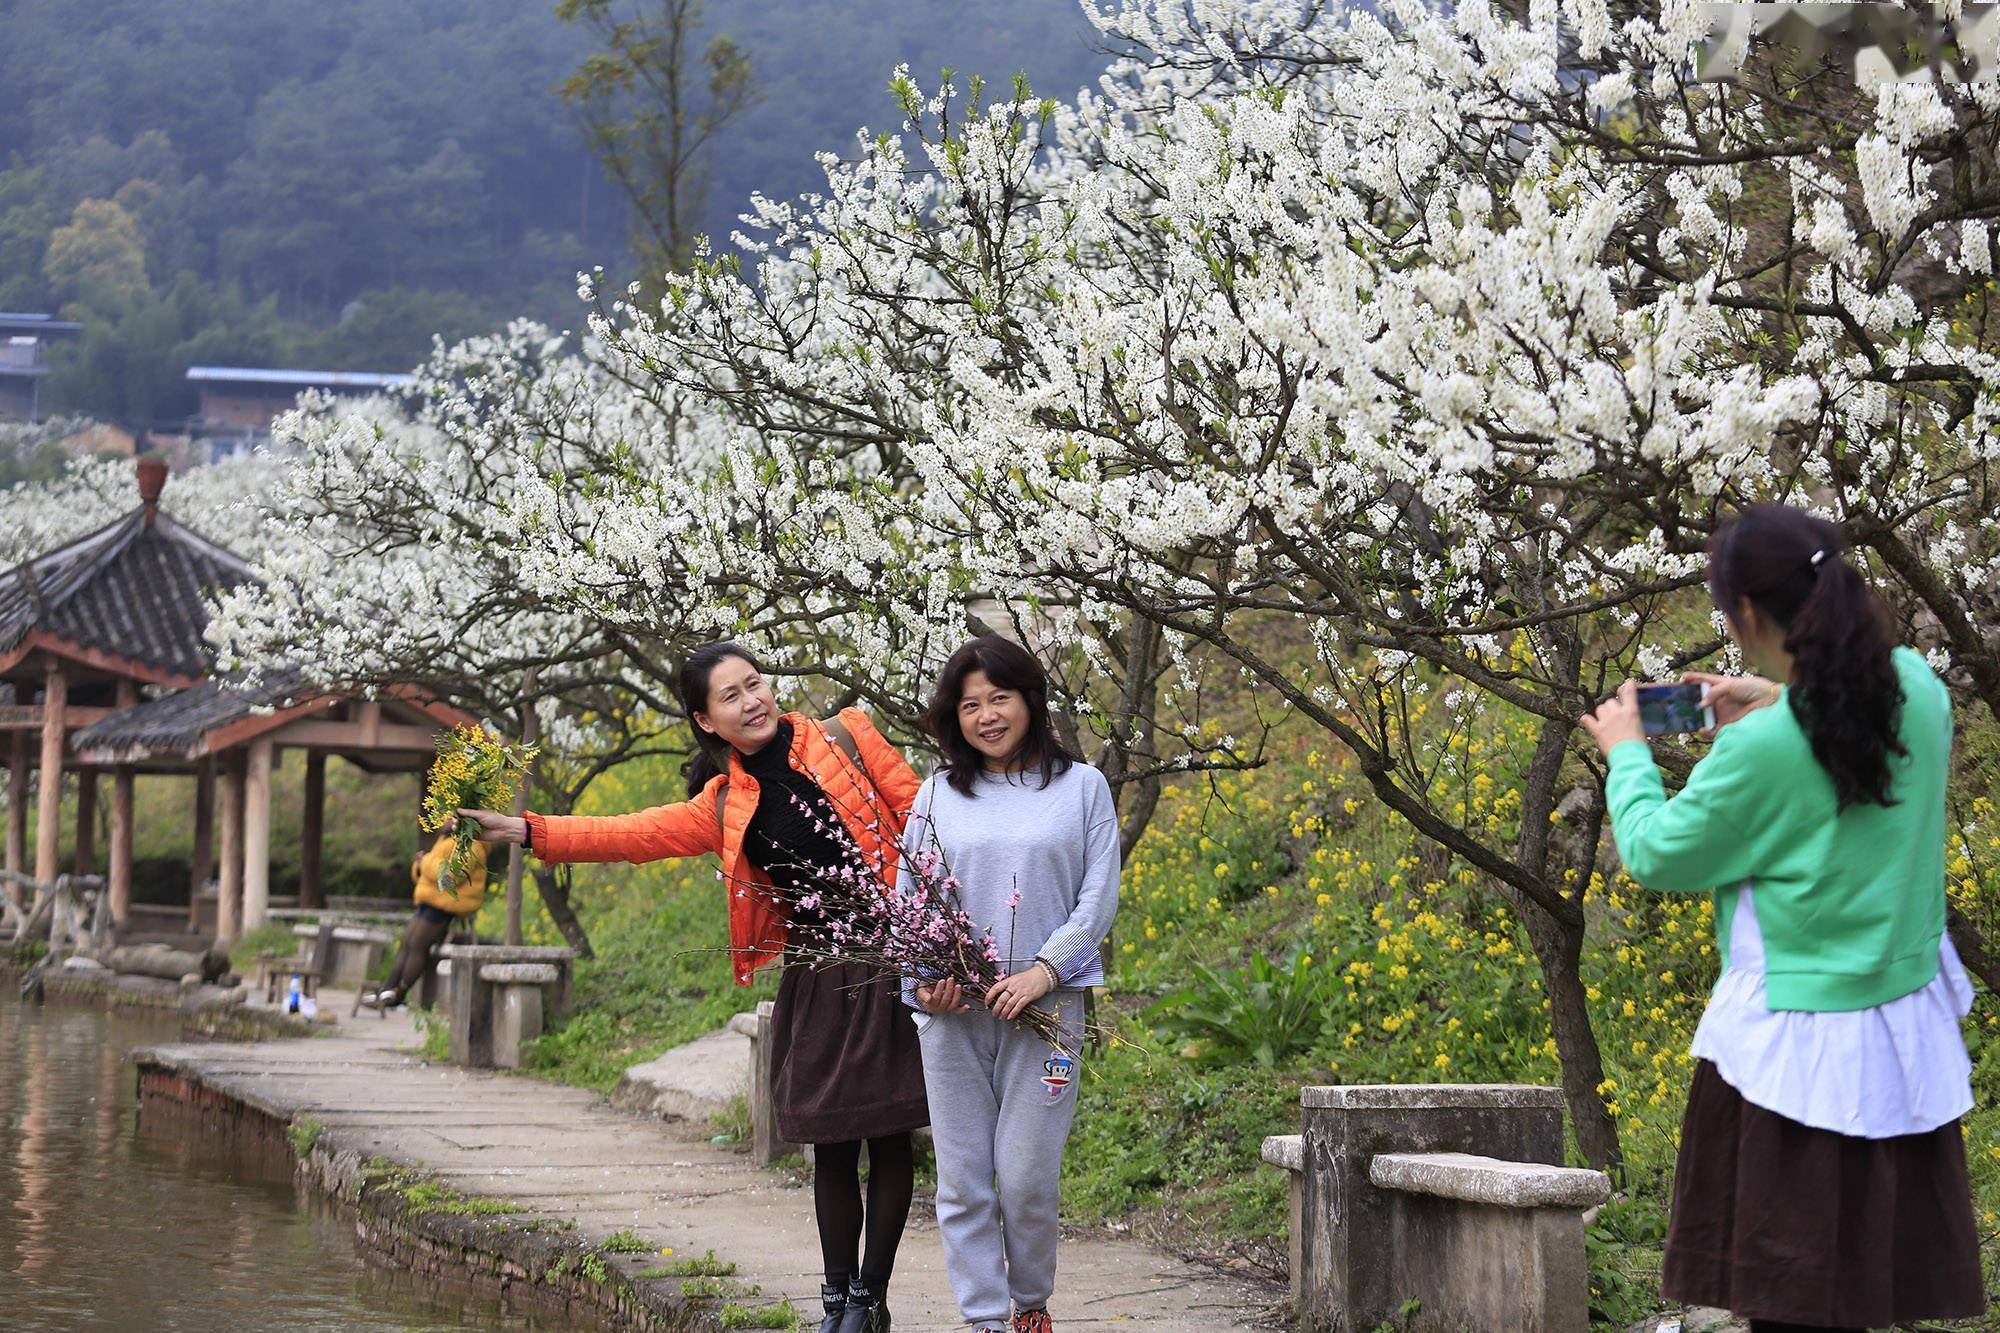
x,y
570,1157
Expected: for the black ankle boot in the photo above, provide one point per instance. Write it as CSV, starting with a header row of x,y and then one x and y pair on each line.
x,y
833,1299
867,1308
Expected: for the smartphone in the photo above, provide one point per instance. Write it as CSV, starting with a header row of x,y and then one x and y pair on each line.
x,y
1665,709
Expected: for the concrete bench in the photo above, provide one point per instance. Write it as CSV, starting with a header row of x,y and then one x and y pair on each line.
x,y
343,953
766,1146
517,1005
1452,1195
501,995
274,973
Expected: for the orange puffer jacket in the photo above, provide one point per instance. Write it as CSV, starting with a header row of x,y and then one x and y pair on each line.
x,y
873,800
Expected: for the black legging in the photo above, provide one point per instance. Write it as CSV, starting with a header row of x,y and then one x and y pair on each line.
x,y
892,1176
413,959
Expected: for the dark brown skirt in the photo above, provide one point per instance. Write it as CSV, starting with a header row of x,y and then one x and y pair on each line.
x,y
844,1058
1776,1220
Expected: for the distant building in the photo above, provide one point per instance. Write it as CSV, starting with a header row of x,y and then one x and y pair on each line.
x,y
23,339
238,403
101,437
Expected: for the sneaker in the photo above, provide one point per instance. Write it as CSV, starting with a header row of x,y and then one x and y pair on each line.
x,y
1033,1321
382,999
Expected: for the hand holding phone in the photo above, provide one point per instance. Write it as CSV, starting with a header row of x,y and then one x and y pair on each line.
x,y
1671,709
1732,696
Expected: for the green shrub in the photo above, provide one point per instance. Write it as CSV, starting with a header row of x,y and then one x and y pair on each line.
x,y
1264,1011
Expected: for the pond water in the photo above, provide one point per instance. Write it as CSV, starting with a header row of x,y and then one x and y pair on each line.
x,y
106,1226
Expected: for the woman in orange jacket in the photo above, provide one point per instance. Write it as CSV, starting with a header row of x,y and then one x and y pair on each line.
x,y
763,795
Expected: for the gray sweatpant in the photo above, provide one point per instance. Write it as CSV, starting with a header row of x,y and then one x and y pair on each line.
x,y
1001,1104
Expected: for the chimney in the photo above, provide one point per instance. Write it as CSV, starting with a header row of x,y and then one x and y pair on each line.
x,y
152,480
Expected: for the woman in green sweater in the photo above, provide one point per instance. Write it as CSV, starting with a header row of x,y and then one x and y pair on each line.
x,y
1821,1181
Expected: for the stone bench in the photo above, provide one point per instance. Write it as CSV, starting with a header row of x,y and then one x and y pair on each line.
x,y
517,1005
765,1145
343,953
500,996
1451,1195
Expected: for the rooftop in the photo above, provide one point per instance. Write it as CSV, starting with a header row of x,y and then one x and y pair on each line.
x,y
304,379
36,323
134,590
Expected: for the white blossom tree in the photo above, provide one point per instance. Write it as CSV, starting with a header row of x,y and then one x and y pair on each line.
x,y
388,563
1441,339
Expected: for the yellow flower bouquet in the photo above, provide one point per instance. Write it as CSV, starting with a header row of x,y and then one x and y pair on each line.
x,y
474,770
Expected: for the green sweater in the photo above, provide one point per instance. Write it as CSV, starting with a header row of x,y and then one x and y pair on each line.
x,y
1850,903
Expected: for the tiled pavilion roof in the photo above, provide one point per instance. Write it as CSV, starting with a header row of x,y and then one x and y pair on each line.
x,y
134,589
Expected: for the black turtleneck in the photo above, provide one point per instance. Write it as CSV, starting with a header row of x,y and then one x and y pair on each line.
x,y
786,839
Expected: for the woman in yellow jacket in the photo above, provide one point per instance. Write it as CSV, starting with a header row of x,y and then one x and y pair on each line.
x,y
439,903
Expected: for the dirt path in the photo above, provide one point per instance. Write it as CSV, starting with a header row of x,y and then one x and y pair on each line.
x,y
570,1157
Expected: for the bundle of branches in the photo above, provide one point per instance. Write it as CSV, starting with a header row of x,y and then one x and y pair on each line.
x,y
917,927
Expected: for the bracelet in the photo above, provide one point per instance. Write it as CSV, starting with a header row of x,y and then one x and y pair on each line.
x,y
1055,977
527,834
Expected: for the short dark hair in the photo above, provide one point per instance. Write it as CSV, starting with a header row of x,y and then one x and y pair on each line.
x,y
1011,667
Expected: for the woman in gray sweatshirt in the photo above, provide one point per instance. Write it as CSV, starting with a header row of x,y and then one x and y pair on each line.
x,y
1030,833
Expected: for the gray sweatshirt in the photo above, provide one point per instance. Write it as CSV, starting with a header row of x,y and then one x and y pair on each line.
x,y
1056,845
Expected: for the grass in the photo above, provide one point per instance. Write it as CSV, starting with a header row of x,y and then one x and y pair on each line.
x,y
706,1265
304,1134
423,1193
781,1315
271,938
626,1241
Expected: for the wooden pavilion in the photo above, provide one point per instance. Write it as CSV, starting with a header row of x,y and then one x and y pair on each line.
x,y
101,642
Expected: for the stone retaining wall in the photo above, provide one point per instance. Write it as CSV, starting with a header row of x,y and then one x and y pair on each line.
x,y
206,1011
520,1258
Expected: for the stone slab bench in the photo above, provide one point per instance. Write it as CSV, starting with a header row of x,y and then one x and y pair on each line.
x,y
1451,1195
517,1005
766,1145
344,953
500,997
1488,1180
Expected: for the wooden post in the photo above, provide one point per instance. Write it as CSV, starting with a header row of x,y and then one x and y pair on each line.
x,y
18,752
312,829
204,839
86,821
118,883
48,813
257,836
229,910
517,857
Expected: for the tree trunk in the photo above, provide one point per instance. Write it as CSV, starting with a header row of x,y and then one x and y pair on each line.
x,y
1559,950
552,882
1973,950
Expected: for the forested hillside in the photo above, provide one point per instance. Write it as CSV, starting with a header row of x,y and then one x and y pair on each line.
x,y
279,182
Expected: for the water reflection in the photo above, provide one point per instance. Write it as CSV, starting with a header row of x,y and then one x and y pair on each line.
x,y
102,1227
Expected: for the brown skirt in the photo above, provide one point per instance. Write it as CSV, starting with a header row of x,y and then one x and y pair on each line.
x,y
1775,1220
844,1058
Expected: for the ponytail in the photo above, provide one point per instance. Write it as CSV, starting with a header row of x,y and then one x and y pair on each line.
x,y
1844,687
711,756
